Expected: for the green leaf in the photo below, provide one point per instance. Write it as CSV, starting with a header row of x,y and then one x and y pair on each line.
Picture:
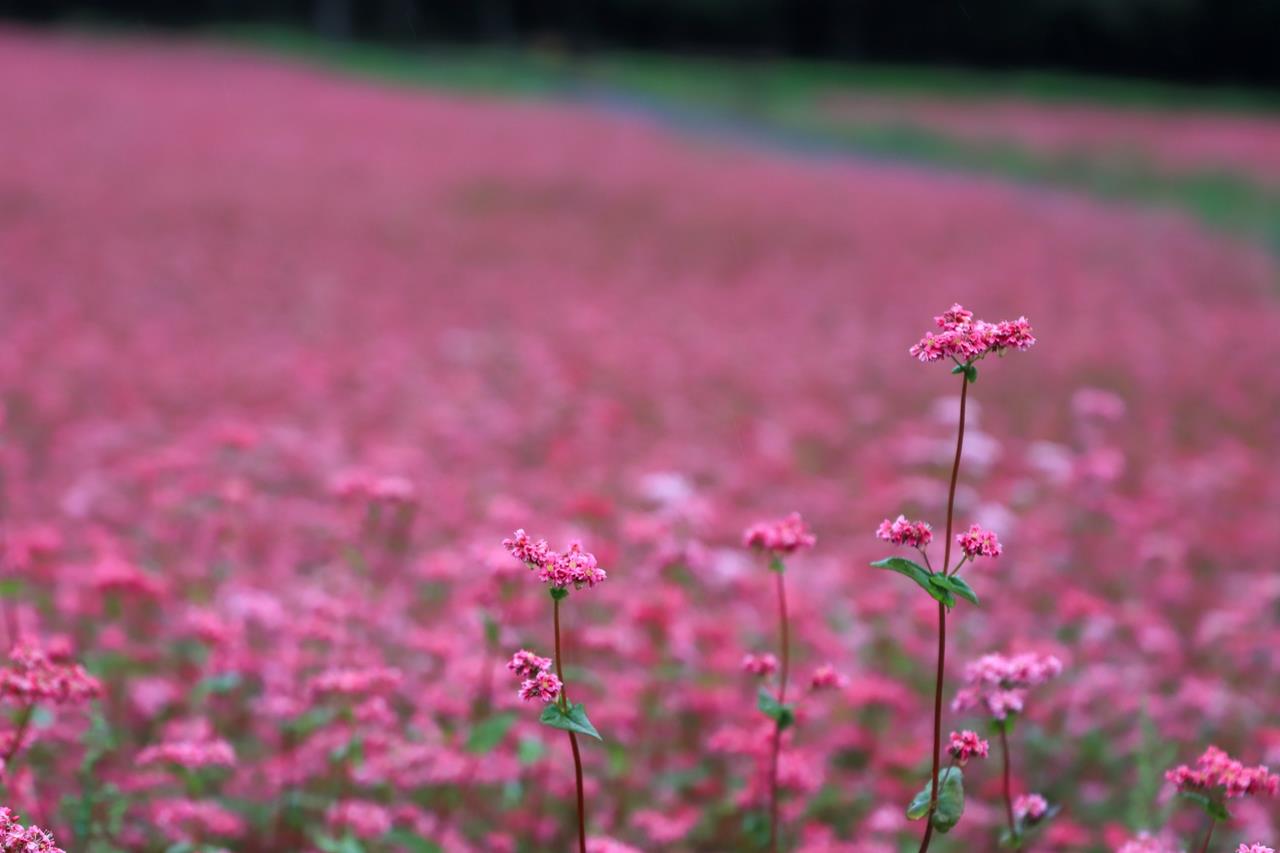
x,y
783,715
346,844
558,593
10,587
971,374
412,842
1213,808
488,733
1006,725
530,751
915,571
950,800
941,591
572,720
776,564
957,585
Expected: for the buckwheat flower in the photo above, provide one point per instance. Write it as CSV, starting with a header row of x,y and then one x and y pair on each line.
x,y
954,317
32,675
189,820
16,838
1014,334
900,531
361,818
533,554
525,664
760,665
1030,808
1147,843
976,542
578,567
192,755
1215,769
999,684
825,677
782,536
966,744
356,682
544,685
1254,848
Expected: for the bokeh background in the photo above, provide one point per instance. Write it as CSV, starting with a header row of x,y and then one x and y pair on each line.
x,y
305,306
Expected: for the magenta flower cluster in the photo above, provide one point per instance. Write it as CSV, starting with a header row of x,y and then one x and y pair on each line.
x,y
965,340
1030,807
539,683
902,531
781,536
998,684
575,567
1215,769
16,838
977,542
966,744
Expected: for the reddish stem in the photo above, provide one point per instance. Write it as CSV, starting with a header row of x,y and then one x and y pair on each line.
x,y
573,739
942,624
1208,835
782,699
1008,787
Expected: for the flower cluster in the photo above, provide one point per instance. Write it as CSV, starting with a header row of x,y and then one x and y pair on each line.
x,y
966,744
825,677
525,664
575,567
361,682
1255,848
977,542
781,536
16,838
900,531
1217,770
966,340
360,818
36,676
1030,808
999,684
539,681
189,754
760,665
1147,843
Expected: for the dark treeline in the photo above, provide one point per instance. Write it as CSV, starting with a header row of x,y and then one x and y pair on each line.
x,y
1218,41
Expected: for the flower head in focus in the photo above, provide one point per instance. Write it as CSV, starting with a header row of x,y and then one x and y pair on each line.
x,y
965,339
575,567
966,744
901,531
977,542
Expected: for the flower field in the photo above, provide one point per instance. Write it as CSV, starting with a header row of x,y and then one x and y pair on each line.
x,y
285,357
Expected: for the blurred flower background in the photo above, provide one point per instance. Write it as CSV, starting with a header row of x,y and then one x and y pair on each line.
x,y
304,308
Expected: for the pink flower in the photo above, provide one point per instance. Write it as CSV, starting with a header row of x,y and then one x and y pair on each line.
x,y
998,684
32,675
760,665
16,838
356,682
1030,807
900,531
1254,848
361,818
825,677
966,340
1217,770
525,664
782,536
533,554
192,755
976,542
544,685
575,567
966,744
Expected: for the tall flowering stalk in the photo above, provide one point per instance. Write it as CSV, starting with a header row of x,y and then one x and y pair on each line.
x,y
778,539
573,569
964,341
1217,778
